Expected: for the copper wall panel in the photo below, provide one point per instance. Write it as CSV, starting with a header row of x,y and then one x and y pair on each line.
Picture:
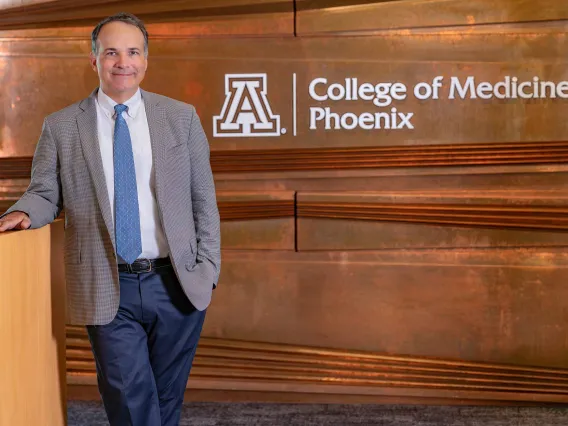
x,y
491,305
258,234
395,233
193,70
257,220
421,59
329,16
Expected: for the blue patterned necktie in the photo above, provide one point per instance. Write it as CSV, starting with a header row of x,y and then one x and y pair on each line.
x,y
127,215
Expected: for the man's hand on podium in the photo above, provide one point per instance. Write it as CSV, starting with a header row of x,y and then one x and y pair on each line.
x,y
15,220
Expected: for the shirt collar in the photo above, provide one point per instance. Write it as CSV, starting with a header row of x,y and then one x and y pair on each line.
x,y
107,103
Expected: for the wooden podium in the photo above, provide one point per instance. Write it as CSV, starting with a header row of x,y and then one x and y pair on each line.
x,y
32,328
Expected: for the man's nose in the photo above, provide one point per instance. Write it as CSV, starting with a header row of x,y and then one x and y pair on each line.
x,y
122,60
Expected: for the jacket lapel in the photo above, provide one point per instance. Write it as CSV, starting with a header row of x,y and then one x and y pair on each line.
x,y
156,123
88,133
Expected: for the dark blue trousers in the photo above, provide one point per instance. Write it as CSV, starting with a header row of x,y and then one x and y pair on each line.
x,y
144,355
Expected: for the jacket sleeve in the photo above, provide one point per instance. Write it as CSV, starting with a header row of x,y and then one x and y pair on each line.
x,y
204,200
42,201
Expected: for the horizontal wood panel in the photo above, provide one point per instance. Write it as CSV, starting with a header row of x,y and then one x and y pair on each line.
x,y
15,167
262,220
177,39
385,157
251,210
81,12
214,390
542,178
267,390
259,161
251,361
485,199
330,16
442,219
538,218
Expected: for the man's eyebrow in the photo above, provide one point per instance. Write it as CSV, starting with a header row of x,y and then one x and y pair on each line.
x,y
114,49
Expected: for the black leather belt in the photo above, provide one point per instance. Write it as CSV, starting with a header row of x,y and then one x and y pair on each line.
x,y
144,265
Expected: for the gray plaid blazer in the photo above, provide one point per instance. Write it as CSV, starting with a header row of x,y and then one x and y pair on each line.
x,y
67,173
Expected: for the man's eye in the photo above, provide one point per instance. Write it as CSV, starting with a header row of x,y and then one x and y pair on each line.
x,y
110,53
134,52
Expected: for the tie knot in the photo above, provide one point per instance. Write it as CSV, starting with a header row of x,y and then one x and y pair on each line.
x,y
120,108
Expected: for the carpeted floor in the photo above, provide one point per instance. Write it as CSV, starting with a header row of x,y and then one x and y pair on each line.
x,y
216,414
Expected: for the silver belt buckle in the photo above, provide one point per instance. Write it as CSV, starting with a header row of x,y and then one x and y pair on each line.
x,y
149,265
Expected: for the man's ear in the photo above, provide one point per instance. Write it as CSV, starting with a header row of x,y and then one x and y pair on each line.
x,y
93,60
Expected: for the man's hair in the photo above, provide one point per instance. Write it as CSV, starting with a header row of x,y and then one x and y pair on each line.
x,y
127,18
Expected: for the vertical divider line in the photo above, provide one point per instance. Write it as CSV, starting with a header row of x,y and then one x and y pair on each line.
x,y
294,100
296,221
295,18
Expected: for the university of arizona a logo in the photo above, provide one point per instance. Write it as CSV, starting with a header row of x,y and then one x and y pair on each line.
x,y
246,111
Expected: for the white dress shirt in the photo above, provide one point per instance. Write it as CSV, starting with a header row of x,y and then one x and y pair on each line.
x,y
154,244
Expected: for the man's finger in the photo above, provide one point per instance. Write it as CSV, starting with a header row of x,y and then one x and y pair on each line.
x,y
25,223
5,225
17,222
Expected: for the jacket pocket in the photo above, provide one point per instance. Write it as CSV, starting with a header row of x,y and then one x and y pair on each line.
x,y
192,257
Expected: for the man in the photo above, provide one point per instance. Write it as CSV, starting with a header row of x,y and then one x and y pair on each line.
x,y
142,240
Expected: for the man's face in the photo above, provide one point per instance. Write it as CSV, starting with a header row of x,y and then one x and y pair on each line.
x,y
120,61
